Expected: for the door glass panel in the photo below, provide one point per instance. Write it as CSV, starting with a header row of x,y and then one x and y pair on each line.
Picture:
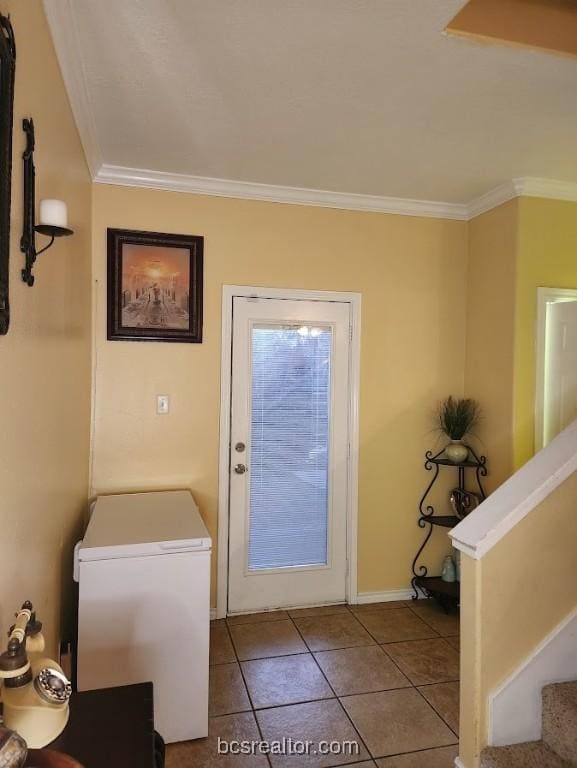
x,y
290,409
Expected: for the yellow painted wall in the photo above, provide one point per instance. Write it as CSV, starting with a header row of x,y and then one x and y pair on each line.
x,y
520,590
411,273
448,307
547,257
489,367
512,600
45,358
513,250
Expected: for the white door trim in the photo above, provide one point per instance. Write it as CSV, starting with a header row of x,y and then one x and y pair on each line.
x,y
544,296
354,299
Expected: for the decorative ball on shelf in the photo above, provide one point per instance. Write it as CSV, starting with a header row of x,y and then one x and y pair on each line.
x,y
462,502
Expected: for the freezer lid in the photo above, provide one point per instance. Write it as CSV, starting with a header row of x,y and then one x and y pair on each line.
x,y
138,524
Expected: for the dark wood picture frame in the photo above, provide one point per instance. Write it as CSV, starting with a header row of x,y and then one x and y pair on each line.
x,y
7,72
162,311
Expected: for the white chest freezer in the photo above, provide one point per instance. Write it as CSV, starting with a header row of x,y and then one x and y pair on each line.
x,y
144,606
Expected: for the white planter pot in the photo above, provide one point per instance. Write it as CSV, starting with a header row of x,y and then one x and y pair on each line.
x,y
456,451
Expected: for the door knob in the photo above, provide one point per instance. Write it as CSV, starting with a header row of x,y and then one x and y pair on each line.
x,y
240,469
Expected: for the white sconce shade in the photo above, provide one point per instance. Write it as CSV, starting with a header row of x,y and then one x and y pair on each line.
x,y
53,213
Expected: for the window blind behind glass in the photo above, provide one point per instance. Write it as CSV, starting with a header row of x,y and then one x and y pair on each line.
x,y
289,446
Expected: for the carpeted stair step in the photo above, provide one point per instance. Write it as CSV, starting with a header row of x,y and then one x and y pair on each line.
x,y
533,754
560,719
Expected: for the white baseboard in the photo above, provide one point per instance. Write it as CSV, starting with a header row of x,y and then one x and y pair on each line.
x,y
553,661
295,607
361,599
383,597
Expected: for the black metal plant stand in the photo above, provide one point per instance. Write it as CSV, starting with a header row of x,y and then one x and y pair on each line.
x,y
446,593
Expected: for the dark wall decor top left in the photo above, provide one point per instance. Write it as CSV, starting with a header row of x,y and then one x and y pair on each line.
x,y
7,70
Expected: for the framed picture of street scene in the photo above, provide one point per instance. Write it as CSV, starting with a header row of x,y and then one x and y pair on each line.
x,y
154,286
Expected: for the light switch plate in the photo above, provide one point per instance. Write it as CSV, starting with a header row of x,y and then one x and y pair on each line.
x,y
162,404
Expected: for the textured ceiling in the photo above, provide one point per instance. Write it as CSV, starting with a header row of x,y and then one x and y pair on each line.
x,y
359,96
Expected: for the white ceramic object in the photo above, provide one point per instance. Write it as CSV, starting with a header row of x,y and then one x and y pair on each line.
x,y
456,451
37,721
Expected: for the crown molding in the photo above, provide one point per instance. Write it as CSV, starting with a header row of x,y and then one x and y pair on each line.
x,y
522,186
553,189
61,20
60,17
200,185
491,199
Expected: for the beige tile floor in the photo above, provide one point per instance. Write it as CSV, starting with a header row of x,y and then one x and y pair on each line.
x,y
382,676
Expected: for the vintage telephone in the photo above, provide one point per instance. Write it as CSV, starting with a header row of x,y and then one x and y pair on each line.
x,y
35,693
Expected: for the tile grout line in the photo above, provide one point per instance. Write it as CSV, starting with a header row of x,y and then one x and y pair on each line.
x,y
394,663
418,640
311,653
341,648
399,641
383,646
428,623
413,752
441,682
253,711
334,692
380,645
413,685
346,606
439,715
329,698
417,687
424,685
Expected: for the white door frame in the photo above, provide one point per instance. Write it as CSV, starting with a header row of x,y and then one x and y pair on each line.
x,y
354,299
544,296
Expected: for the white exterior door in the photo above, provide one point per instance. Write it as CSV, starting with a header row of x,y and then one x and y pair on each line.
x,y
560,400
288,453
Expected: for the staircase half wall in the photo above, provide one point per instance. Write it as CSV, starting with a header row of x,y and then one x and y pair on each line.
x,y
518,588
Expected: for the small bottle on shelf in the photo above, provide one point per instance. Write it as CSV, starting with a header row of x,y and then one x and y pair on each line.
x,y
449,572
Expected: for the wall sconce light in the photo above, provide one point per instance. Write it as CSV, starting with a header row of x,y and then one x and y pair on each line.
x,y
53,213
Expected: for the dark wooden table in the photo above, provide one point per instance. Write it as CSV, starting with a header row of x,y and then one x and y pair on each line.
x,y
110,728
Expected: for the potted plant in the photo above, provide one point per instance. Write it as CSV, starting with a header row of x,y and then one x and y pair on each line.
x,y
457,418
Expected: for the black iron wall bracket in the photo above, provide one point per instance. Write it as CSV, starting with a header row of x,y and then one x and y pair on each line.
x,y
28,239
29,228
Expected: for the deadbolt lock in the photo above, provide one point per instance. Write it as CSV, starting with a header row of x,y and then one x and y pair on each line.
x,y
240,447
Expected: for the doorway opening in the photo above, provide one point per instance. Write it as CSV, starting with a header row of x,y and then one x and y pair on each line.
x,y
556,363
